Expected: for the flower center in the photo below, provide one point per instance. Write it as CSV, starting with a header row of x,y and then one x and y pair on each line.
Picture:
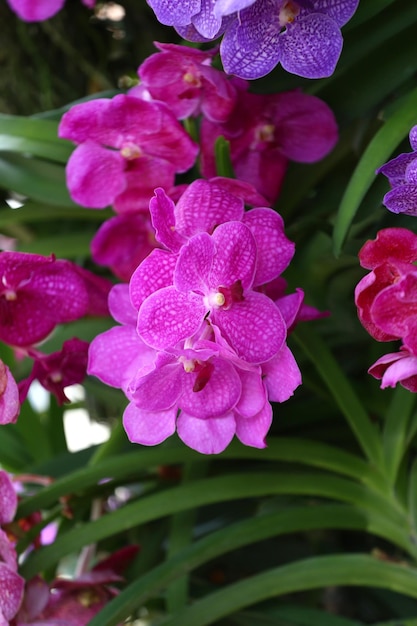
x,y
130,151
192,79
288,12
265,133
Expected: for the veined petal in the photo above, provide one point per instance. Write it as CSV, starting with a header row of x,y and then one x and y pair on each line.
x,y
146,427
162,211
169,316
194,264
177,13
208,436
11,585
204,205
95,175
154,273
253,396
311,46
236,255
160,389
282,375
402,199
252,431
206,21
254,327
8,499
218,396
340,10
275,250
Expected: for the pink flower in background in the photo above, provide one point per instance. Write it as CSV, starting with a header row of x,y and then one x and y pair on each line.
x,y
74,602
127,147
385,297
57,370
123,242
37,293
267,131
11,584
396,367
40,10
183,78
9,396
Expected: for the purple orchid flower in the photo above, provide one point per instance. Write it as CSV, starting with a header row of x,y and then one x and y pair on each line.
x,y
40,10
127,147
9,396
266,132
402,175
184,79
303,35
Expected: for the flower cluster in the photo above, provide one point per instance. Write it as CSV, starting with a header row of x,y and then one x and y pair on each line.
x,y
402,176
386,299
202,348
304,37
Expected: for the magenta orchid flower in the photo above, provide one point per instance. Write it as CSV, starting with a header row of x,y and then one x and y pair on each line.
x,y
40,10
37,293
9,396
213,277
126,148
396,367
57,370
183,78
11,584
266,132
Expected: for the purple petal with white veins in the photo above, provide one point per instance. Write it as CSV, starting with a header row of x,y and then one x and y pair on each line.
x,y
253,395
7,552
194,264
245,58
411,172
311,46
218,396
168,316
290,305
402,199
95,175
175,14
340,10
413,138
117,354
227,7
206,21
252,432
282,375
275,250
154,273
208,436
203,206
395,169
162,210
8,499
146,427
120,305
160,389
235,258
254,327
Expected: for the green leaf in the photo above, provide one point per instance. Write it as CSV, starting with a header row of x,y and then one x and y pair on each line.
x,y
312,573
218,489
377,152
396,429
224,165
300,451
343,393
242,533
